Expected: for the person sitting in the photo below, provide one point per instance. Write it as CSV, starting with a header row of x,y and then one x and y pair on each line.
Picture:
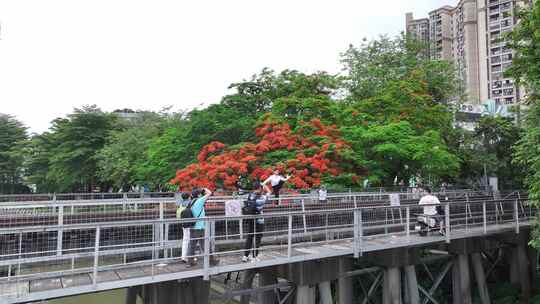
x,y
430,212
276,180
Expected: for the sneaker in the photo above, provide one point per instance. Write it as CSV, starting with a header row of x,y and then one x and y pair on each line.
x,y
245,259
255,260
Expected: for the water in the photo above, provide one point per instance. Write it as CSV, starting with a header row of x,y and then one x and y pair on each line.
x,y
106,297
117,296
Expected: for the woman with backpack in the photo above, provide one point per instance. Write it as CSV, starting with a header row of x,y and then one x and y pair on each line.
x,y
254,227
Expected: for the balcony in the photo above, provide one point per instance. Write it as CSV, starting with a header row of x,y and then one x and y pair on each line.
x,y
508,84
507,92
509,100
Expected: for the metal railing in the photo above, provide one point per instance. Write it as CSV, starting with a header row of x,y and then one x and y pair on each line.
x,y
22,214
43,250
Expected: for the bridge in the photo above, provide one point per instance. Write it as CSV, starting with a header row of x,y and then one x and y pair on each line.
x,y
54,246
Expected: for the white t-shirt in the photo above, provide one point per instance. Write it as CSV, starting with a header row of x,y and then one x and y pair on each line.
x,y
274,180
428,200
322,194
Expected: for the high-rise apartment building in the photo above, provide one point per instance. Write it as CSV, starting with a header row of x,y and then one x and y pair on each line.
x,y
418,29
471,35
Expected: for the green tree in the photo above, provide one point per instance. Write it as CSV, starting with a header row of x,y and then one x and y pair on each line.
x,y
525,40
497,137
401,132
120,159
64,159
374,64
288,95
38,152
12,139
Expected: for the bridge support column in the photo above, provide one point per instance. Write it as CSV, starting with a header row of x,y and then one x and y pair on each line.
x,y
411,286
131,294
480,277
305,294
533,260
325,293
267,277
520,266
392,286
195,290
345,284
524,271
461,284
247,282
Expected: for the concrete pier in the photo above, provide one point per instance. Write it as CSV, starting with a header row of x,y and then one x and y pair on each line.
x,y
345,291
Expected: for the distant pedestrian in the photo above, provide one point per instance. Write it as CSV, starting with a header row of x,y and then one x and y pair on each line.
x,y
277,181
322,194
182,202
254,227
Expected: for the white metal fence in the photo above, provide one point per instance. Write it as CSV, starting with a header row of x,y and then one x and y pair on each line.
x,y
96,247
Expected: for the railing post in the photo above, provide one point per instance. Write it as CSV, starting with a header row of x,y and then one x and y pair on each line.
x,y
516,216
124,198
304,216
289,236
467,217
60,232
360,232
355,204
356,234
206,257
484,216
161,231
96,255
407,222
447,222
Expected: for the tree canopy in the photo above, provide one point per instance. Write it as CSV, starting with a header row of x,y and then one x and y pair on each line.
x,y
386,117
12,138
525,69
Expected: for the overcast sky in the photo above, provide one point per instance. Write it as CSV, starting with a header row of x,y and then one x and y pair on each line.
x,y
146,54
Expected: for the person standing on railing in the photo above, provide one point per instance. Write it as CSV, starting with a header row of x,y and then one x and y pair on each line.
x,y
322,194
254,205
277,181
182,202
199,198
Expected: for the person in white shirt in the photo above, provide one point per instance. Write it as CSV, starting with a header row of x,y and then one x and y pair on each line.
x,y
276,180
322,194
429,199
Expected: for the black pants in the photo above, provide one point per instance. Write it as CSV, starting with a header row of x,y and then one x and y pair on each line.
x,y
254,232
195,236
277,188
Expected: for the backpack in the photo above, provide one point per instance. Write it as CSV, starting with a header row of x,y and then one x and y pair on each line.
x,y
250,205
187,213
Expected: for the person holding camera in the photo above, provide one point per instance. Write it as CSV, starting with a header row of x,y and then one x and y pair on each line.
x,y
254,227
199,198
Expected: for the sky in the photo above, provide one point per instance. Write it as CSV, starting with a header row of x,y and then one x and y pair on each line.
x,y
57,55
